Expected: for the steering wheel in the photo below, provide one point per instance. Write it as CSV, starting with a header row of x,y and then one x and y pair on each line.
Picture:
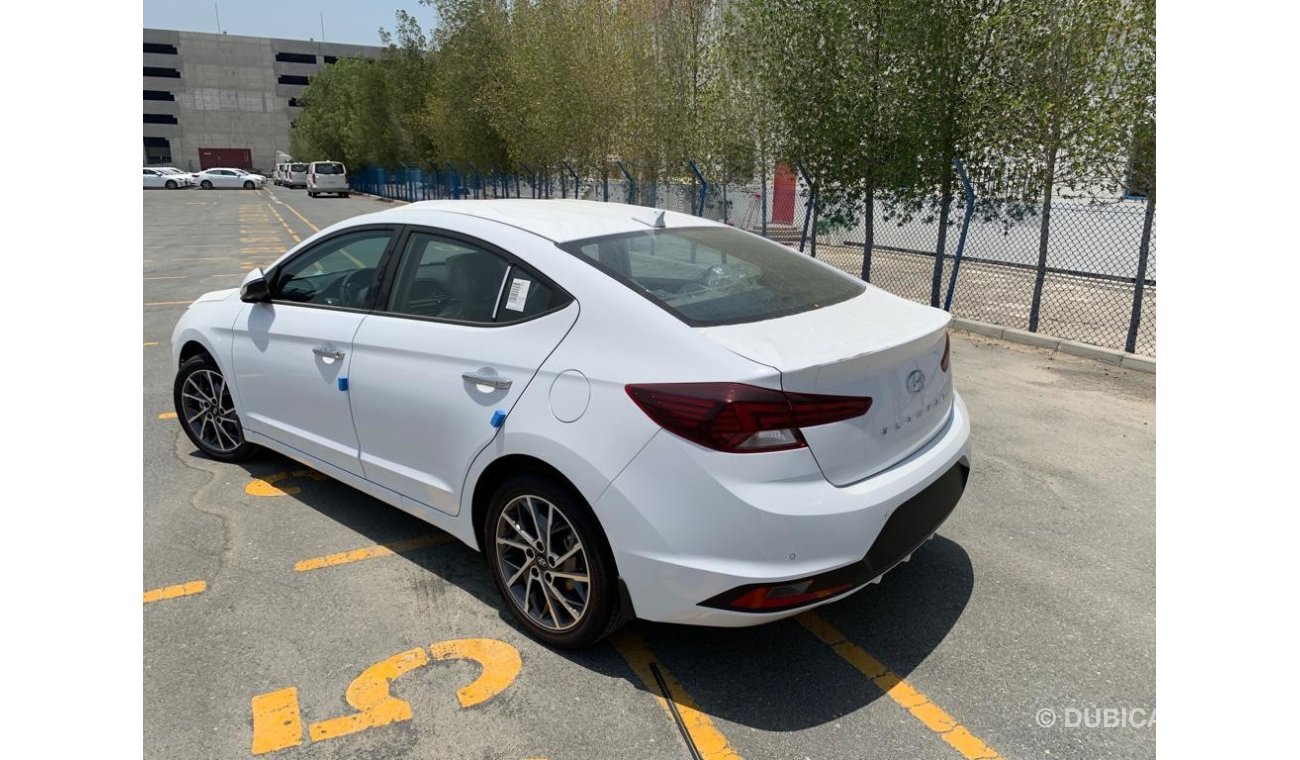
x,y
355,287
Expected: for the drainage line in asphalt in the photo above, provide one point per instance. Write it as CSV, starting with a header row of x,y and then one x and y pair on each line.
x,y
677,716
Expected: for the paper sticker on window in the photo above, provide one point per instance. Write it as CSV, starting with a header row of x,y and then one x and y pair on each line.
x,y
518,294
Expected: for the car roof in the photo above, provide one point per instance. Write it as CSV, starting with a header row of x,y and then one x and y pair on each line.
x,y
557,220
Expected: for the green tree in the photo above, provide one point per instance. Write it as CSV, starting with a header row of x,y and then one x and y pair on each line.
x,y
1075,88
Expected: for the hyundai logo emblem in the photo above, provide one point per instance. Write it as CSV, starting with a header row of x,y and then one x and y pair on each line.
x,y
916,381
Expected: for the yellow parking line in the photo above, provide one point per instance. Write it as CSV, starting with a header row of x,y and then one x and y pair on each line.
x,y
300,216
171,592
167,416
286,226
931,715
371,552
205,258
706,737
169,277
150,343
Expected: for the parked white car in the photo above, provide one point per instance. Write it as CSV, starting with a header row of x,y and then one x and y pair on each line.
x,y
327,177
633,413
160,177
225,178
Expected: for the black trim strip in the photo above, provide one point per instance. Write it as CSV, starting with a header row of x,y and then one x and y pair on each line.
x,y
910,525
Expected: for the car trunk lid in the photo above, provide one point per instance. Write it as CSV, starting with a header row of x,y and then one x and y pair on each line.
x,y
875,345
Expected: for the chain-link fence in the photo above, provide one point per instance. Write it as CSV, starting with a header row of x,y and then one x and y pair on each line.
x,y
1084,290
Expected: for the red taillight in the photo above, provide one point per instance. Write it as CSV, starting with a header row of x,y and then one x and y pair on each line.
x,y
740,418
947,344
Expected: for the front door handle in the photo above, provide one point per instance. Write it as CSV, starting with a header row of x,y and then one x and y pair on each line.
x,y
491,381
327,351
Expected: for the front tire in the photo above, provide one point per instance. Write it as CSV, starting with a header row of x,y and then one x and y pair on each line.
x,y
206,184
207,412
551,562
171,184
248,184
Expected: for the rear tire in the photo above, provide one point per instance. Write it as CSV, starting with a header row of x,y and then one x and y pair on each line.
x,y
206,410
311,194
540,534
344,194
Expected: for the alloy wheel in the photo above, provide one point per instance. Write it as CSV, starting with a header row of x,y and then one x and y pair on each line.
x,y
209,412
543,563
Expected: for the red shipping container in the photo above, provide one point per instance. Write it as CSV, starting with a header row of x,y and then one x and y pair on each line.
x,y
232,158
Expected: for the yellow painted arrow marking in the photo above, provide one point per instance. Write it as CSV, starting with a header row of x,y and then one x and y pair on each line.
x,y
369,693
277,717
265,485
277,721
499,660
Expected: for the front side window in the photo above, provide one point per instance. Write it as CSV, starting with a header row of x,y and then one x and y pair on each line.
x,y
341,271
716,275
443,278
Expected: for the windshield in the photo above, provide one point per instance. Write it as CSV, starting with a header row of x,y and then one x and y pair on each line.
x,y
716,275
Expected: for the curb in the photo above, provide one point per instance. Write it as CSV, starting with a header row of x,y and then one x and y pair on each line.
x,y
1075,348
379,198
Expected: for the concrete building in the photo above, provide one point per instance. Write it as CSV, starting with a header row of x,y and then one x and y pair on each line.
x,y
227,100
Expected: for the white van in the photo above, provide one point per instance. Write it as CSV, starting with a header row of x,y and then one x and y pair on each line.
x,y
327,177
295,174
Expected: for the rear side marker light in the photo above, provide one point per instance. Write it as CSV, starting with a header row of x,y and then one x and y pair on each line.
x,y
735,417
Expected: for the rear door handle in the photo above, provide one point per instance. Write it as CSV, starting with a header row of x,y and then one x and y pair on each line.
x,y
327,351
492,381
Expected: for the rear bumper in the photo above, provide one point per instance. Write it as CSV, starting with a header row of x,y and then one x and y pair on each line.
x,y
689,535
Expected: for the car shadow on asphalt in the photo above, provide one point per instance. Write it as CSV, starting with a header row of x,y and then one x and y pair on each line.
x,y
773,677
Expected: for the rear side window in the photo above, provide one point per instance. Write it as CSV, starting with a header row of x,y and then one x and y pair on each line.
x,y
447,279
716,275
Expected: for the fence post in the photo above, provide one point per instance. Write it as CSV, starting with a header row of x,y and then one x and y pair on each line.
x,y
762,177
808,205
704,188
574,174
1140,282
965,225
631,183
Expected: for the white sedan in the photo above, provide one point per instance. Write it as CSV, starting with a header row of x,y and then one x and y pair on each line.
x,y
223,177
156,177
632,413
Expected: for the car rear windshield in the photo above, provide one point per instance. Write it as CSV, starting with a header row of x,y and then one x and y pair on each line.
x,y
298,167
329,168
716,275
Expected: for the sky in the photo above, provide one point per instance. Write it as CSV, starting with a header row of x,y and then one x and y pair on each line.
x,y
351,21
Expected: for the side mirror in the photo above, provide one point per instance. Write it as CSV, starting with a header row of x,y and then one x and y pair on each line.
x,y
255,289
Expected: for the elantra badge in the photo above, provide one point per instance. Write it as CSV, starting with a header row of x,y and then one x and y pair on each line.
x,y
916,381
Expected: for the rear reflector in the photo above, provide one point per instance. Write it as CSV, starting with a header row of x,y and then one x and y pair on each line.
x,y
734,417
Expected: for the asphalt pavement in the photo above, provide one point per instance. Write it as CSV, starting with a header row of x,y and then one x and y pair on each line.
x,y
288,615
